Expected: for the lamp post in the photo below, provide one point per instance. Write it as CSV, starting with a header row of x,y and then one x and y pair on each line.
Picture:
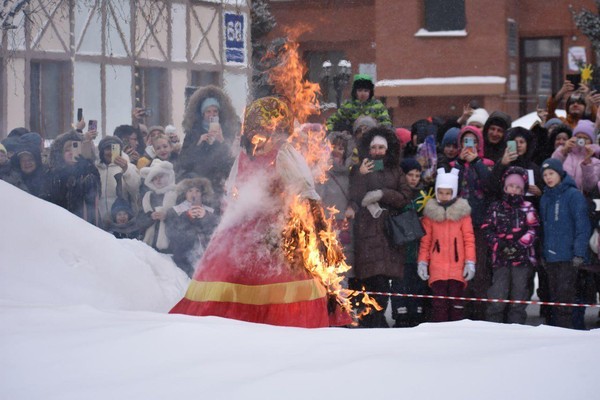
x,y
340,76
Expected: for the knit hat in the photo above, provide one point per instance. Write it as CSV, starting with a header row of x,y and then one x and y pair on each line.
x,y
209,101
156,168
170,129
554,164
156,128
379,140
3,149
515,179
551,122
408,164
403,135
479,116
364,120
450,137
447,180
517,131
585,126
120,204
363,81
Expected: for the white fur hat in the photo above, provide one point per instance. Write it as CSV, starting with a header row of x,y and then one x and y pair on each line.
x,y
156,168
480,115
447,180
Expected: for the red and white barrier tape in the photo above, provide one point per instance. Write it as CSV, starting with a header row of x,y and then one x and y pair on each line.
x,y
428,296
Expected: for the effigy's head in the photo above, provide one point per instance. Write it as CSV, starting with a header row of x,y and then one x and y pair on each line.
x,y
264,119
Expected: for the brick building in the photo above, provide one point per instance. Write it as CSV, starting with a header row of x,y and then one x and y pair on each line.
x,y
430,57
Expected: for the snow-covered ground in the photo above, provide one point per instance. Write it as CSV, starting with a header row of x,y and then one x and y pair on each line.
x,y
84,316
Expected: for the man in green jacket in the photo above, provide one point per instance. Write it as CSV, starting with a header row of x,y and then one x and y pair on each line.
x,y
362,103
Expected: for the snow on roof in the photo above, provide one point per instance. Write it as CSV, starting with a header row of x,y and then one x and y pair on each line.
x,y
452,80
424,33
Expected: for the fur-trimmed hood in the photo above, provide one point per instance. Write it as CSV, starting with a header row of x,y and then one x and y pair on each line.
x,y
56,160
201,183
454,212
228,118
392,155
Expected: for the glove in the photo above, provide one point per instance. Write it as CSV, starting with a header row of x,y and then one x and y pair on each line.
x,y
577,261
469,270
372,197
422,270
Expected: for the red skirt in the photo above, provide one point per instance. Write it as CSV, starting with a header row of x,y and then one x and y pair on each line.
x,y
243,275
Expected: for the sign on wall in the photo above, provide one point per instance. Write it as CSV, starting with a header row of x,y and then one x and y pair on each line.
x,y
235,38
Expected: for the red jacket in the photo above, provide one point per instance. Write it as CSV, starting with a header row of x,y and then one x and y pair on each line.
x,y
449,240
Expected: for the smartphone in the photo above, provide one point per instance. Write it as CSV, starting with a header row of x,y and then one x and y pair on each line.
x,y
597,203
575,79
115,151
148,112
511,145
377,165
469,142
79,114
92,125
76,149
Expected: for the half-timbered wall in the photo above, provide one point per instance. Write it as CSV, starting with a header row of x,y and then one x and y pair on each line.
x,y
104,49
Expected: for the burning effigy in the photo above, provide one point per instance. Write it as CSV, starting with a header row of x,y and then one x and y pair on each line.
x,y
275,257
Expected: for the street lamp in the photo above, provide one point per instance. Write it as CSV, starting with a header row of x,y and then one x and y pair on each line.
x,y
340,75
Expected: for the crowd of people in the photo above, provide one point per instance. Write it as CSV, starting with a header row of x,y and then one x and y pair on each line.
x,y
499,205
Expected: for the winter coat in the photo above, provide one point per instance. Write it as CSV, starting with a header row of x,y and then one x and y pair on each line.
x,y
373,253
128,230
473,177
9,175
350,110
155,234
115,182
76,187
188,237
449,240
192,119
564,216
34,182
586,176
510,230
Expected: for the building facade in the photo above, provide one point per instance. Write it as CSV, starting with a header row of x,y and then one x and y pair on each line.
x,y
109,56
431,57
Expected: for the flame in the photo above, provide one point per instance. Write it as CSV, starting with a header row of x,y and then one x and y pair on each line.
x,y
309,239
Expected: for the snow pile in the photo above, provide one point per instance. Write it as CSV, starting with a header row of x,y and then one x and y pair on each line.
x,y
83,316
50,256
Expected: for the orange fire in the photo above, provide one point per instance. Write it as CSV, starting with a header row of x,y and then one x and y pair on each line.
x,y
310,241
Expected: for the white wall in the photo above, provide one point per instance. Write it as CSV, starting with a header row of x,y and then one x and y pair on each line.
x,y
236,86
15,116
88,92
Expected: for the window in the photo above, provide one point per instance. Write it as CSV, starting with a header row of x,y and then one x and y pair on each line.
x,y
204,78
444,15
541,71
314,61
151,93
50,100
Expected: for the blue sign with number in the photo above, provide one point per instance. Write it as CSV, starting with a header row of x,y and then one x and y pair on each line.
x,y
234,38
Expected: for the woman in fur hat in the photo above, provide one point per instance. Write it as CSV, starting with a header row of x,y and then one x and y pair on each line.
x,y
246,272
191,223
377,187
73,181
207,147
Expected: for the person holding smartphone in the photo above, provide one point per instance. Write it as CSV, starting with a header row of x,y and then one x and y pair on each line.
x,y
579,156
377,187
580,103
519,152
73,181
119,178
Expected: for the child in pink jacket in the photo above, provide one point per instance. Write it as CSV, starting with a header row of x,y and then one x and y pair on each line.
x,y
447,251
